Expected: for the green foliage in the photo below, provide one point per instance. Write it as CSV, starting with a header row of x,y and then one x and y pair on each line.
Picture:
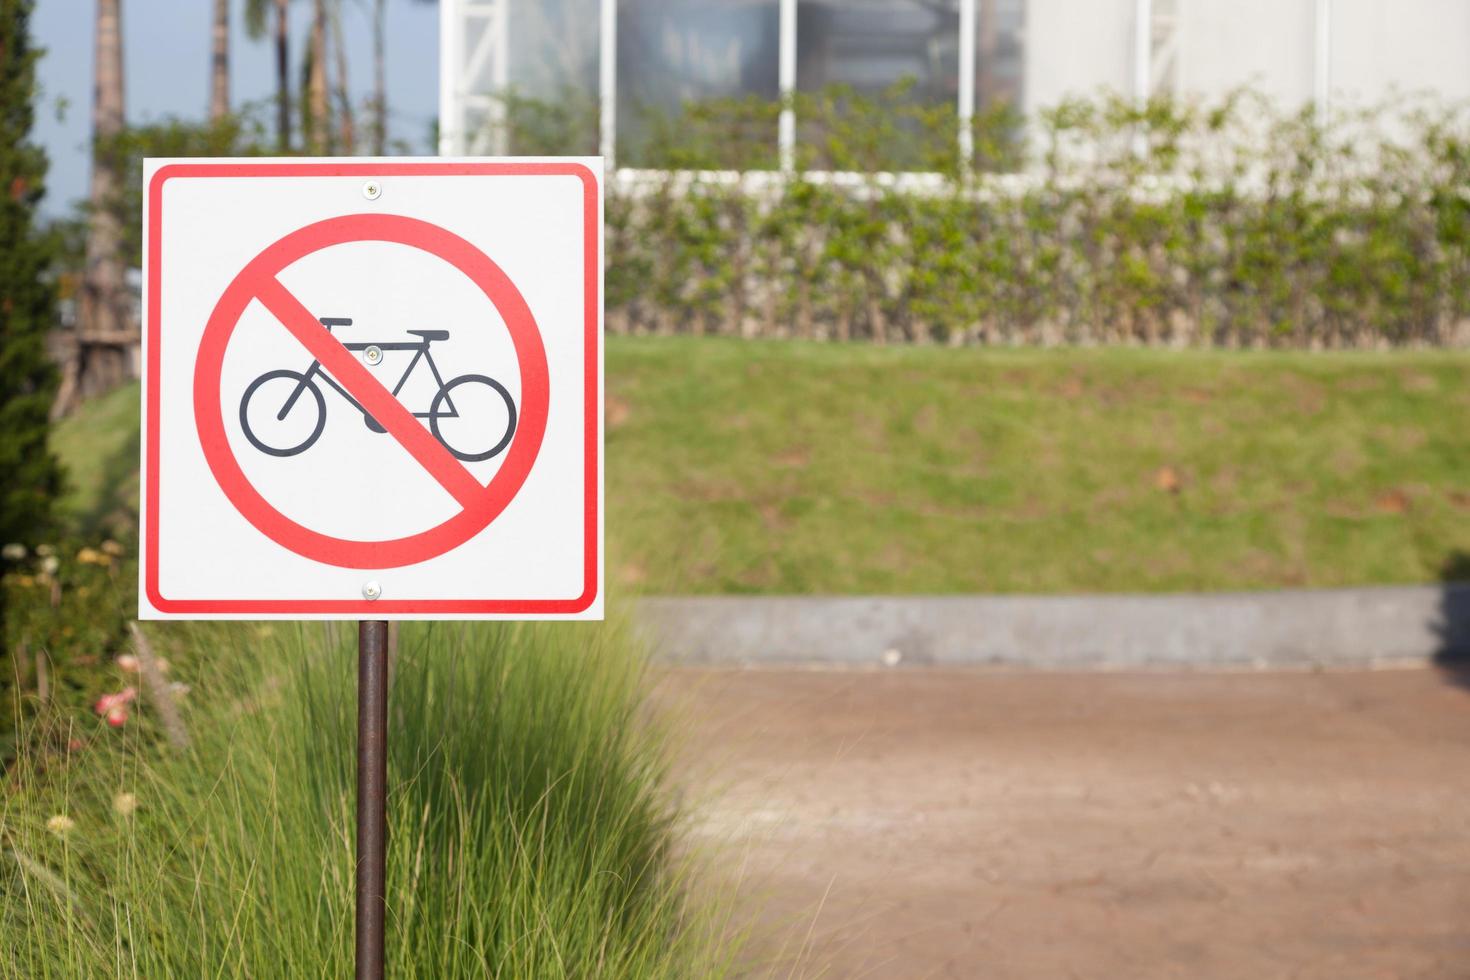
x,y
70,599
1173,222
68,607
242,135
712,134
566,124
530,825
29,474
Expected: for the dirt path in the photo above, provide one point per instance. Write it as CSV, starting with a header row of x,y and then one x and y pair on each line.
x,y
973,824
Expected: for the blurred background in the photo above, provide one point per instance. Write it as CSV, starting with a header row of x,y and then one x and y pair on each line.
x,y
1038,502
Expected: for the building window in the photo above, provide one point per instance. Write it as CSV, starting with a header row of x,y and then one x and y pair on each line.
x,y
1000,67
706,55
873,45
551,61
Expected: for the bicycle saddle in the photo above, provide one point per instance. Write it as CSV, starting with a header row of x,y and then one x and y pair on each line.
x,y
431,334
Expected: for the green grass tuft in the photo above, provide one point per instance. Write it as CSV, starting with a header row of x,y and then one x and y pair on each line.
x,y
530,827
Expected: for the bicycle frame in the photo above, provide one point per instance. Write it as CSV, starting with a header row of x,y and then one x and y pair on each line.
x,y
421,350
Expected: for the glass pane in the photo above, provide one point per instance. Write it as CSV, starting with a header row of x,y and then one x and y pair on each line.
x,y
697,80
873,45
999,54
551,75
878,84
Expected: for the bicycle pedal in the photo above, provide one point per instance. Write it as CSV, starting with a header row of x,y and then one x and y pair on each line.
x,y
372,424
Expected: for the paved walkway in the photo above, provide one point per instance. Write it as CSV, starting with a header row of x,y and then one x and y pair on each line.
x,y
950,823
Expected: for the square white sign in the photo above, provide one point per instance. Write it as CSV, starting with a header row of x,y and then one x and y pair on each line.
x,y
372,389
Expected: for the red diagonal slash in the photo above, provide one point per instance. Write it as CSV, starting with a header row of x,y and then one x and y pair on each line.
x,y
386,410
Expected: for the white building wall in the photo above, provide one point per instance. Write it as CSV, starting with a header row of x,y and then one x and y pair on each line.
x,y
1072,48
1267,45
1076,47
1409,45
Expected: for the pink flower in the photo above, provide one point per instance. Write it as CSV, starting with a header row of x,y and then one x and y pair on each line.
x,y
117,716
127,661
109,703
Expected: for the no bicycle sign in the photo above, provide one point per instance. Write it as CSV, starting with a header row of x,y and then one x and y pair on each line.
x,y
372,389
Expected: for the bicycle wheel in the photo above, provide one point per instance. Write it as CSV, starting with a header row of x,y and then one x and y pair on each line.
x,y
484,407
283,429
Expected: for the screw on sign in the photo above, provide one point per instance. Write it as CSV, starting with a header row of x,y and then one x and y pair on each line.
x,y
375,390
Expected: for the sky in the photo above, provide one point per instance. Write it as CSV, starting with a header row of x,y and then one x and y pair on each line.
x,y
166,60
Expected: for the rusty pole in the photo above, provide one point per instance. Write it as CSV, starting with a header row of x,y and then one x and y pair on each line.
x,y
372,794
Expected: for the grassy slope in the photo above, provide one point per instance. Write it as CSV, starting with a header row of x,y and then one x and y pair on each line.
x,y
788,467
785,467
99,445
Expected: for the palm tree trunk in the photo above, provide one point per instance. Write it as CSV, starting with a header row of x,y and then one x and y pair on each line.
x,y
219,62
283,75
380,78
348,129
315,125
106,333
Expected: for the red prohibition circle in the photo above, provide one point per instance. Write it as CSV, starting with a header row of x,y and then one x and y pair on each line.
x,y
480,504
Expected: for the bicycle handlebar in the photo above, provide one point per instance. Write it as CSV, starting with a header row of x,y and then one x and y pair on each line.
x,y
335,321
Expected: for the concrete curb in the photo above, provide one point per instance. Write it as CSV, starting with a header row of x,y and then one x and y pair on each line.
x,y
1346,627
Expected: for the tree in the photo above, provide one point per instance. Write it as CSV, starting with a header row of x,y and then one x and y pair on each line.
x,y
106,330
380,77
347,128
255,18
29,474
316,109
219,62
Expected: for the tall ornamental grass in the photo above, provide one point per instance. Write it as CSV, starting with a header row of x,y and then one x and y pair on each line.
x,y
530,826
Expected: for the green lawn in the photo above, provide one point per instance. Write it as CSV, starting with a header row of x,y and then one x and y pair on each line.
x,y
791,467
99,445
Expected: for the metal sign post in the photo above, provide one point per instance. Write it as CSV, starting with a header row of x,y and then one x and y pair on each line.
x,y
372,793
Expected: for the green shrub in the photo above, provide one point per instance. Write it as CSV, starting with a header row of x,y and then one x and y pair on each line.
x,y
67,613
29,474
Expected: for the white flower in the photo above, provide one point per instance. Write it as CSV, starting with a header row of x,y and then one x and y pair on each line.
x,y
178,689
14,551
125,804
127,661
60,825
45,549
49,565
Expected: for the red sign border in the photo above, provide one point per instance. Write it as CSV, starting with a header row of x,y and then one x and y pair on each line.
x,y
364,608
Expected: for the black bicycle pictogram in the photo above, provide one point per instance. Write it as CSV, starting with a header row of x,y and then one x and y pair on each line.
x,y
441,408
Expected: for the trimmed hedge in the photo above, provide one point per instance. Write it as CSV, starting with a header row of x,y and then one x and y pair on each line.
x,y
1175,222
